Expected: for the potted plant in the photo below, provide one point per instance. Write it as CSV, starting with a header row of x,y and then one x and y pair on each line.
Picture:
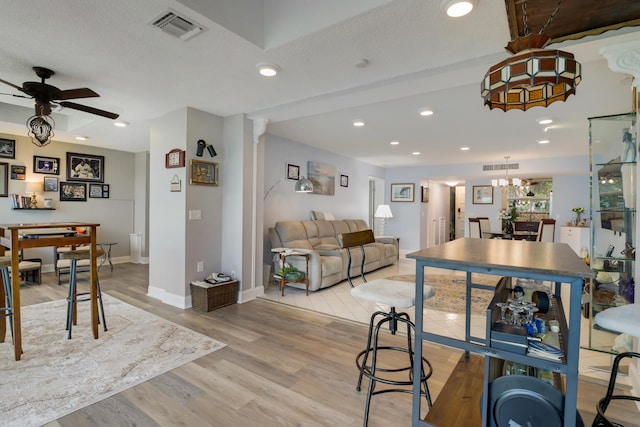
x,y
578,210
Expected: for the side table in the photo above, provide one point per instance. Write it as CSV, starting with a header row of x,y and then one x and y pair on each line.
x,y
283,257
107,253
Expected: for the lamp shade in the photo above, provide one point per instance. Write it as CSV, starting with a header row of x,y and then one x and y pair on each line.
x,y
34,187
304,185
383,211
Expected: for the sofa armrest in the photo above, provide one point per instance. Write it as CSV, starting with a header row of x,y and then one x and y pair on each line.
x,y
387,239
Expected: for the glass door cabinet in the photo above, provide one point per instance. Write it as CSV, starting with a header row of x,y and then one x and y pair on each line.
x,y
613,155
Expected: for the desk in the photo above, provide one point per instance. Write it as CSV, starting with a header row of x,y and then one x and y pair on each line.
x,y
11,239
107,254
534,260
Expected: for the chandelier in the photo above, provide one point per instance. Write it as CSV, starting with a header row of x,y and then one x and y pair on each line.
x,y
40,127
506,182
534,76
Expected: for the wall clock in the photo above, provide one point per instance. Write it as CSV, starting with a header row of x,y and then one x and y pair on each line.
x,y
174,159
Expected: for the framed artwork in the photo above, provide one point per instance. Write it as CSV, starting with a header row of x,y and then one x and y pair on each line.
x,y
85,167
48,165
73,192
174,158
50,183
402,192
293,172
204,173
323,177
18,172
99,191
482,195
4,179
344,181
425,194
7,148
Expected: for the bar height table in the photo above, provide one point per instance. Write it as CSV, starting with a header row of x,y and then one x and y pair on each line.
x,y
554,262
14,238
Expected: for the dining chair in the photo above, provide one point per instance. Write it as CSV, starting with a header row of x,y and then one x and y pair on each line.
x,y
485,227
474,228
546,230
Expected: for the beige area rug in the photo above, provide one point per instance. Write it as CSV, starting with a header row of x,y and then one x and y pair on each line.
x,y
57,376
451,292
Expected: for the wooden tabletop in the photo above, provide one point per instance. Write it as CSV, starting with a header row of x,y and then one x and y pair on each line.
x,y
533,257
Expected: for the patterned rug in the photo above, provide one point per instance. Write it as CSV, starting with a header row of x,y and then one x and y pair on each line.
x,y
57,376
451,291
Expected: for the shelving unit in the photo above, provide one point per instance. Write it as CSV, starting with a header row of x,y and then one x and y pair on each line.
x,y
549,262
613,159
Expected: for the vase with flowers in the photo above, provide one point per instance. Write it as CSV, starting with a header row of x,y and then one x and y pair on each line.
x,y
578,210
508,217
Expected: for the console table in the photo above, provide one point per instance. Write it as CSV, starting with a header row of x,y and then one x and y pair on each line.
x,y
553,262
15,237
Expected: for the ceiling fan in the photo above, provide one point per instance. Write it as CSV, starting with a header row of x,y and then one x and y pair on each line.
x,y
45,94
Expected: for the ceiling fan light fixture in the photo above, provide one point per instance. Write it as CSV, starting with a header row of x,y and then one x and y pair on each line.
x,y
268,70
457,8
40,129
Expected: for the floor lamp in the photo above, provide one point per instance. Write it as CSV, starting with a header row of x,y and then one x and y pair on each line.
x,y
383,212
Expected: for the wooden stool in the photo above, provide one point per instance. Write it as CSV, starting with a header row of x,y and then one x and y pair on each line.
x,y
624,319
72,299
395,294
5,296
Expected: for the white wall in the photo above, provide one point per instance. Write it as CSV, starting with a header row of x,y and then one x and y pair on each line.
x,y
115,214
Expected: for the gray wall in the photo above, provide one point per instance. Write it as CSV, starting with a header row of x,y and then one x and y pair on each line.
x,y
115,214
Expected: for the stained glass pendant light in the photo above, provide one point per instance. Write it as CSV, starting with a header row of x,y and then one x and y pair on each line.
x,y
533,76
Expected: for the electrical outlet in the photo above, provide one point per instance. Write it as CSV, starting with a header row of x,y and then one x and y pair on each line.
x,y
197,214
200,266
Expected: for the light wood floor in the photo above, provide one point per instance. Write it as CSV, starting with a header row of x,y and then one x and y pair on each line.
x,y
282,366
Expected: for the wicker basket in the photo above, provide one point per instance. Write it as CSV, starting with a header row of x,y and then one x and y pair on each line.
x,y
207,297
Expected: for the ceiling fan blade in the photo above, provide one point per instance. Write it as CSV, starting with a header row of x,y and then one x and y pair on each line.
x,y
13,86
88,109
75,94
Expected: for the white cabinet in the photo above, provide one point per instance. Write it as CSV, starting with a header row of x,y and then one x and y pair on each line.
x,y
576,237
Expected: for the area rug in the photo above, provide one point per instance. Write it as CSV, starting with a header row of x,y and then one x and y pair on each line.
x,y
451,292
57,376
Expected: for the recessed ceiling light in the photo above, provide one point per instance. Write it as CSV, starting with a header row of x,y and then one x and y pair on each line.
x,y
543,141
82,138
394,142
457,8
268,70
426,112
121,124
452,183
545,121
465,148
416,153
358,123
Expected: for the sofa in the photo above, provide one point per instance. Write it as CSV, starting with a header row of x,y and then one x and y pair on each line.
x,y
328,262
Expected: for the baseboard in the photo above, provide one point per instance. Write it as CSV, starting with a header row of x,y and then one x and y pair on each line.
x,y
250,294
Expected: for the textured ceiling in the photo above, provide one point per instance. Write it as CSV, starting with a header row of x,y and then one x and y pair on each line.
x,y
417,57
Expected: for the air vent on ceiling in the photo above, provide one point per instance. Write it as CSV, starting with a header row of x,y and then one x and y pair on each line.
x,y
501,167
178,26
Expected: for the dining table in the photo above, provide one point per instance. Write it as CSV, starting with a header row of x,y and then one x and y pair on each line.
x,y
16,237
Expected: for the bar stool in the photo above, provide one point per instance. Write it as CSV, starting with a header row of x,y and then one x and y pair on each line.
x,y
74,296
395,294
6,300
624,319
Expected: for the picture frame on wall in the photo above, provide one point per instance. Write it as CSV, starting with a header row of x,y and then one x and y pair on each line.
x,y
18,172
403,192
50,183
73,192
99,191
85,167
293,172
204,173
48,165
7,148
344,181
482,195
